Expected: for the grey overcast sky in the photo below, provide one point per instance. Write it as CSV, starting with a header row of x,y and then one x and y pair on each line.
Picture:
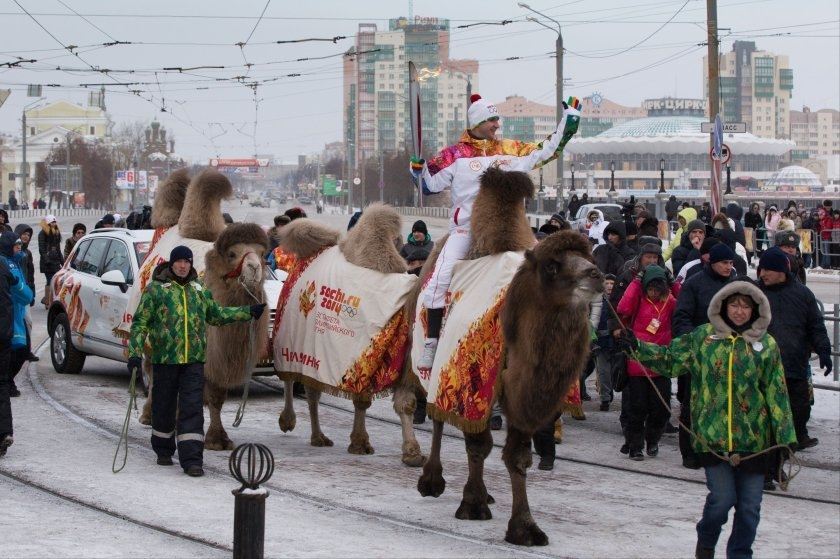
x,y
300,102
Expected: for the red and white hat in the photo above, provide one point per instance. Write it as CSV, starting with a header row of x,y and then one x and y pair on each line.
x,y
480,111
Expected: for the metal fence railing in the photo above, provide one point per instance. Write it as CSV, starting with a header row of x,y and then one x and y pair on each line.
x,y
832,318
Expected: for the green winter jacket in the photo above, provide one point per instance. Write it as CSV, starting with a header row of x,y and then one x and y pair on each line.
x,y
739,399
174,318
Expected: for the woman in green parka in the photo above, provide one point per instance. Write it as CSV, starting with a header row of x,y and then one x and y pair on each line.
x,y
739,406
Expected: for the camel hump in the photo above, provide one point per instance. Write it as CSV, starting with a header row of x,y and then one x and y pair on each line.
x,y
305,237
372,243
169,200
507,186
201,217
564,241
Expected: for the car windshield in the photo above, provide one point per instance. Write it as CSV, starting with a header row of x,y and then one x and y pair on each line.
x,y
611,213
141,249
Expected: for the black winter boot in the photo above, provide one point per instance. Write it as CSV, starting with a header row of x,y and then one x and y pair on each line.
x,y
704,552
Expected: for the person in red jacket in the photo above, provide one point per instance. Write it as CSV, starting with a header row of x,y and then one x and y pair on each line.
x,y
825,224
646,309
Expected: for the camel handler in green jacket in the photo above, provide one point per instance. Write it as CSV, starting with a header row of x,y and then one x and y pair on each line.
x,y
173,313
739,407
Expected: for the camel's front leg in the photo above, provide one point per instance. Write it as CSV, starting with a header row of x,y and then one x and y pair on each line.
x,y
431,482
404,403
287,417
475,501
216,438
318,438
522,530
359,439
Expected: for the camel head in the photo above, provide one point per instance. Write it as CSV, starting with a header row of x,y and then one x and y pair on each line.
x,y
237,258
565,273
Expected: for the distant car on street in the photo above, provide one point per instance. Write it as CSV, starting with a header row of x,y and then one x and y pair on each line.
x,y
612,212
305,200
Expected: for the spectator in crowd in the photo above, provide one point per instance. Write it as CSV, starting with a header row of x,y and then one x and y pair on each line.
x,y
671,208
595,225
735,213
788,242
727,237
685,216
754,221
173,314
49,249
648,227
106,222
560,222
692,238
600,317
835,239
692,303
14,336
24,232
418,247
574,205
611,256
798,327
705,214
4,221
696,260
279,258
771,223
811,242
825,224
647,307
733,354
649,253
793,216
79,231
274,232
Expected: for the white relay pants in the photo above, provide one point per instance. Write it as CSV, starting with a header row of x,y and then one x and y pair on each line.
x,y
455,248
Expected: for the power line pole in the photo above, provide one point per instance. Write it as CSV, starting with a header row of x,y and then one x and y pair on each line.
x,y
714,89
559,110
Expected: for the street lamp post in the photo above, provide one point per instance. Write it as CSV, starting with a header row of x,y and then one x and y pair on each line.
x,y
661,195
572,169
611,194
728,180
559,90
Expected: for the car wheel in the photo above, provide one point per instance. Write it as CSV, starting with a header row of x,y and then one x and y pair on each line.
x,y
66,359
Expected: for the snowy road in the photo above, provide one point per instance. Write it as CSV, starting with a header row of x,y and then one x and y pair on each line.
x,y
326,502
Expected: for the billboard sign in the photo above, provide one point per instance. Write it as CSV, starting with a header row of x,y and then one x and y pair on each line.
x,y
329,186
238,162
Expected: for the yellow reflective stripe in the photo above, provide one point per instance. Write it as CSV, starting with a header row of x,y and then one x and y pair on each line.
x,y
186,316
729,391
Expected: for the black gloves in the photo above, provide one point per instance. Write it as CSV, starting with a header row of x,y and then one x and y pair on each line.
x,y
628,343
135,363
257,310
825,363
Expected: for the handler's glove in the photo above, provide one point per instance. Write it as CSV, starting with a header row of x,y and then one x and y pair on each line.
x,y
628,343
415,167
257,310
825,363
135,363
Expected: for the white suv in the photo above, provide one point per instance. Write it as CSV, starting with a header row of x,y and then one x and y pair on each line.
x,y
90,297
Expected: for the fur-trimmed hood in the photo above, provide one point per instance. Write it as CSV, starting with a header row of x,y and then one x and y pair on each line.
x,y
759,325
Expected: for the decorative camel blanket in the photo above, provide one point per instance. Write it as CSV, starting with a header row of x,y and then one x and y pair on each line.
x,y
340,327
470,351
163,242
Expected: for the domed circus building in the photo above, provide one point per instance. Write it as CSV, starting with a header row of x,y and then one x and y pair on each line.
x,y
634,152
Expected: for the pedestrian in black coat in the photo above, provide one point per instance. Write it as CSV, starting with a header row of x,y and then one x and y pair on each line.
x,y
735,213
611,256
692,238
49,248
798,327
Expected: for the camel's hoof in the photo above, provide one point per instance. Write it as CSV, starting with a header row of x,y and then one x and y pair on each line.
x,y
473,511
320,440
413,460
223,444
145,419
431,484
286,423
525,534
360,448
490,499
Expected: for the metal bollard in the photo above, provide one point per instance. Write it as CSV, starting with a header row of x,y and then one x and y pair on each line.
x,y
249,499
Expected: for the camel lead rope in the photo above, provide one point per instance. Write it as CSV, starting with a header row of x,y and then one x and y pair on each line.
x,y
734,459
240,412
123,442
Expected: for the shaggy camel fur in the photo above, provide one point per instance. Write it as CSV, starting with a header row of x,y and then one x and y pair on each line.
x,y
372,244
547,301
201,217
235,275
169,200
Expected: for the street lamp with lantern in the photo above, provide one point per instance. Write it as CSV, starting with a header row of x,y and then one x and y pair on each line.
x,y
728,180
572,169
559,90
611,194
662,176
661,195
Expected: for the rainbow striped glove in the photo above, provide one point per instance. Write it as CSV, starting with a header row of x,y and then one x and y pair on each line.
x,y
571,111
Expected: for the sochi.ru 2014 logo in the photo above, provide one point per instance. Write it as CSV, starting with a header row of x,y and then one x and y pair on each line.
x,y
306,302
339,302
